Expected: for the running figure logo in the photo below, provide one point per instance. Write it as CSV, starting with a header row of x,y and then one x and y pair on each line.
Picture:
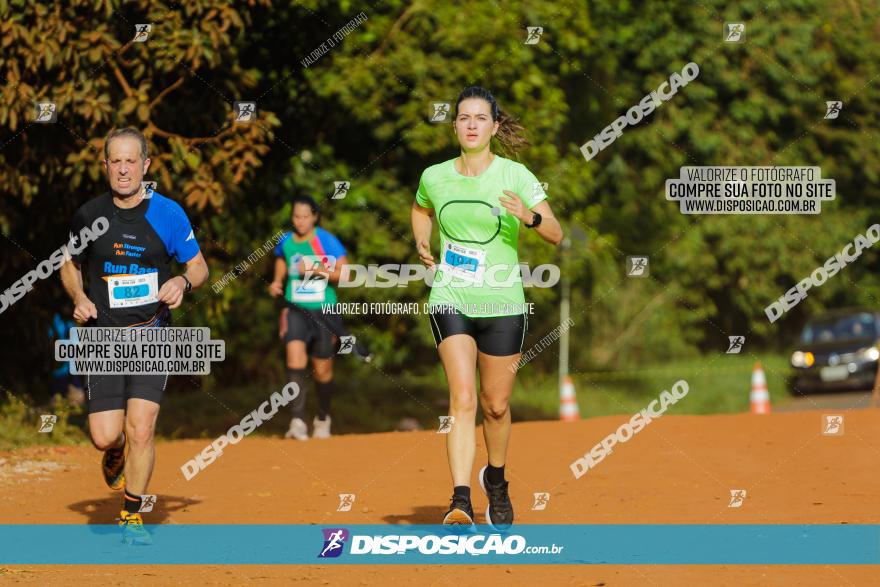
x,y
340,189
45,112
245,111
735,31
533,35
446,423
141,32
334,540
832,425
346,345
541,500
637,266
147,503
47,423
833,109
539,190
346,500
736,344
149,188
737,496
440,111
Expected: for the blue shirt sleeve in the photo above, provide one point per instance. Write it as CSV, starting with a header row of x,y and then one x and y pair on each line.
x,y
183,239
331,244
279,248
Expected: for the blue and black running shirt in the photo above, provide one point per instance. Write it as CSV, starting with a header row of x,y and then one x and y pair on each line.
x,y
126,266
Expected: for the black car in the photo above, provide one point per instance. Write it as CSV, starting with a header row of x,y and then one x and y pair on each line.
x,y
837,350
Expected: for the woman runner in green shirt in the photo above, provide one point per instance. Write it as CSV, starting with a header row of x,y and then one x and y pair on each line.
x,y
477,311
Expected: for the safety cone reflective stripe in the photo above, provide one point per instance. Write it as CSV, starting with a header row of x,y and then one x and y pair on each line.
x,y
759,396
568,406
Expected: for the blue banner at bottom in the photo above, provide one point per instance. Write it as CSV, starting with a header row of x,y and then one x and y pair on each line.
x,y
624,544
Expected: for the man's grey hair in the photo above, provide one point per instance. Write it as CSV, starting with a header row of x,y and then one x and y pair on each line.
x,y
126,132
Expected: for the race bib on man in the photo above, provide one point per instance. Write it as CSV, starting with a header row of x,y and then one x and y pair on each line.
x,y
125,291
465,263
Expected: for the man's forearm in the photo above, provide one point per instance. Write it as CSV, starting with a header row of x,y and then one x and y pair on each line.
x,y
71,279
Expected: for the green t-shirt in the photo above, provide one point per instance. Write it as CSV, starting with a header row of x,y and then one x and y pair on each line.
x,y
478,268
310,291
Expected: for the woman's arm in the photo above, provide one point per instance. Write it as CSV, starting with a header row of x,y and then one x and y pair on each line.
x,y
422,225
276,288
550,230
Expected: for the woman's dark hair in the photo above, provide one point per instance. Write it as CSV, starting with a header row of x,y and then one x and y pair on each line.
x,y
511,134
308,201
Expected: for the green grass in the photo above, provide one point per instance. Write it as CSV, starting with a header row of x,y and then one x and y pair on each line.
x,y
715,387
369,400
20,423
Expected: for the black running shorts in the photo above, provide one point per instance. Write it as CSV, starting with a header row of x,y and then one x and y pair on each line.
x,y
499,336
308,326
112,392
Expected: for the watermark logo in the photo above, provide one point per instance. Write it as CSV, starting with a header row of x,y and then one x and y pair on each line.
x,y
539,192
346,500
248,424
665,91
47,423
737,497
245,112
734,32
735,344
340,190
334,540
142,32
541,500
346,344
832,425
446,423
75,245
440,112
542,344
45,112
244,265
832,109
149,187
849,253
637,266
630,428
147,504
533,35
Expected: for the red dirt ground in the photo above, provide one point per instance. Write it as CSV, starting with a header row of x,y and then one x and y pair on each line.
x,y
679,469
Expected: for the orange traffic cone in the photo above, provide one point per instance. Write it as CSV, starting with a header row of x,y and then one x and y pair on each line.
x,y
759,396
568,405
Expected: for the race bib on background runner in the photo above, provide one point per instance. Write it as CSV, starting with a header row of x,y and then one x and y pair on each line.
x,y
125,291
309,290
465,263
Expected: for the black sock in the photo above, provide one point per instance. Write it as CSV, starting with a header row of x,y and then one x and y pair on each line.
x,y
495,475
121,446
131,503
298,405
463,491
325,393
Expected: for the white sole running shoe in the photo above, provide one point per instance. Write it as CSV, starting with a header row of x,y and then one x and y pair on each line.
x,y
298,429
321,428
500,495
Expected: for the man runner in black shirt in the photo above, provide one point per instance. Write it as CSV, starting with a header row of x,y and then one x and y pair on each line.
x,y
129,283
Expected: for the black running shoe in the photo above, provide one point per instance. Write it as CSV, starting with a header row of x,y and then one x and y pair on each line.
x,y
499,513
460,513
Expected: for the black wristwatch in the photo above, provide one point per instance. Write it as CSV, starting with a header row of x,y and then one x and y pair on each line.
x,y
536,220
189,285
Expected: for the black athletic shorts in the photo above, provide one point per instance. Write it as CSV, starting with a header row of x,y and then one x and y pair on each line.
x,y
112,392
308,326
498,336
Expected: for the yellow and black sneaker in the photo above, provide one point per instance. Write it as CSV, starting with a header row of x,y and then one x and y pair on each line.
x,y
133,531
113,466
460,513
